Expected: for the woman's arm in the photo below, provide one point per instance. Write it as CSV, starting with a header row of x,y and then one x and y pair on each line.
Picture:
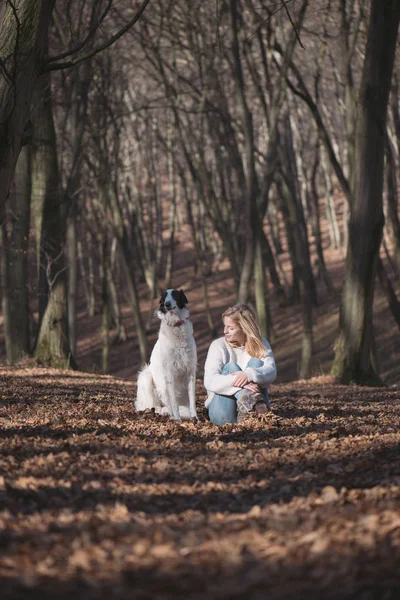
x,y
266,373
213,380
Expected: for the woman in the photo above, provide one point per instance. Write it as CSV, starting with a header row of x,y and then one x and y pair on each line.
x,y
238,368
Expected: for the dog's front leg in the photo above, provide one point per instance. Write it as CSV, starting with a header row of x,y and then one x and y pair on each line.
x,y
192,395
172,403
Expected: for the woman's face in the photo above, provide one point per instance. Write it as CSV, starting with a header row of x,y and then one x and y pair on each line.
x,y
233,333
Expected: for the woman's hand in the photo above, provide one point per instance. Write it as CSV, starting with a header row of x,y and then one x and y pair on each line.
x,y
240,379
253,387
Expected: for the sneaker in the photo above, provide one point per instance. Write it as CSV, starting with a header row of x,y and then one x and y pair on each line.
x,y
245,403
260,406
250,404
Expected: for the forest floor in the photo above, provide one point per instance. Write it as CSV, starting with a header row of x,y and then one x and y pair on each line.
x,y
100,502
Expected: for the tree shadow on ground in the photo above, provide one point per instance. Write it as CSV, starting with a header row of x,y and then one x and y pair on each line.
x,y
262,485
365,575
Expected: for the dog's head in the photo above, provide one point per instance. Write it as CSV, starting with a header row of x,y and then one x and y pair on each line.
x,y
172,301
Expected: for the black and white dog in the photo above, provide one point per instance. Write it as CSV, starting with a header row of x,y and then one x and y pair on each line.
x,y
168,383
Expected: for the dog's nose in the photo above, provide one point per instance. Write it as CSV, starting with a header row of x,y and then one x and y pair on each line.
x,y
168,304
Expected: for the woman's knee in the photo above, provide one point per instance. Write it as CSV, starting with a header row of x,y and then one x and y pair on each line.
x,y
255,362
230,367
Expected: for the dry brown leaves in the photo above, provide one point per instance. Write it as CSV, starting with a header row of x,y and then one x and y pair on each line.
x,y
97,501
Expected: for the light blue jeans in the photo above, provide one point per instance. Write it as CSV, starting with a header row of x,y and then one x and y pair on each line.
x,y
222,409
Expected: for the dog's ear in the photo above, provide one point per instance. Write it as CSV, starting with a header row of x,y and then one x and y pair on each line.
x,y
182,300
161,303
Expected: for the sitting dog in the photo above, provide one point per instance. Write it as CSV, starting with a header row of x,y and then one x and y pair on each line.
x,y
168,383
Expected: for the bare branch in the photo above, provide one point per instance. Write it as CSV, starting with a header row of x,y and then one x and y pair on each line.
x,y
271,13
52,66
292,22
83,43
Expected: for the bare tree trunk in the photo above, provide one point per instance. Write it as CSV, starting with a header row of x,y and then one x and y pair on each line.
x,y
133,298
334,232
251,217
392,199
121,234
72,262
283,191
210,321
15,262
120,334
105,311
347,50
169,262
308,293
387,287
78,118
273,273
316,225
273,218
353,360
23,35
261,291
91,276
52,347
84,277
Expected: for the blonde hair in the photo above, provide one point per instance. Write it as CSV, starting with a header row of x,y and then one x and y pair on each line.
x,y
246,318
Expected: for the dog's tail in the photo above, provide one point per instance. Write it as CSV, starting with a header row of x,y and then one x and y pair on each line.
x,y
145,397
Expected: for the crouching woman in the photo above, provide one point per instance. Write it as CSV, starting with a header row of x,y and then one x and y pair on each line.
x,y
238,369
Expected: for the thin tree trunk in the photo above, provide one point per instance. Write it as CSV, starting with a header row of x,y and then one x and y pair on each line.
x,y
120,334
294,295
261,291
72,262
121,234
392,196
133,298
87,277
210,320
77,122
334,232
273,273
105,311
316,226
91,276
251,217
387,287
308,293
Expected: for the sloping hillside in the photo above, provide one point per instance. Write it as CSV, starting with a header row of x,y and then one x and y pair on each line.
x,y
286,338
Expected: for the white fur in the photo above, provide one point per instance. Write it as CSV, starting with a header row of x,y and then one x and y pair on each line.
x,y
168,382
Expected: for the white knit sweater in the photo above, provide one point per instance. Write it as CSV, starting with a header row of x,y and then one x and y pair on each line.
x,y
220,353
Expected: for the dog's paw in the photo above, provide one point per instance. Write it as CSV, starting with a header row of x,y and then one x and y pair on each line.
x,y
163,411
184,412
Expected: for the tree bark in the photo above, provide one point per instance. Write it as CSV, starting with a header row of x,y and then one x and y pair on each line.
x,y
105,310
23,36
353,361
308,292
392,199
52,347
72,258
15,262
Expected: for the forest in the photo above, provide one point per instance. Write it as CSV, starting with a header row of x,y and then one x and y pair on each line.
x,y
243,151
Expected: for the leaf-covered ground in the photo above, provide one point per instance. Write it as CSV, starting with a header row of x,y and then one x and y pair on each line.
x,y
99,502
